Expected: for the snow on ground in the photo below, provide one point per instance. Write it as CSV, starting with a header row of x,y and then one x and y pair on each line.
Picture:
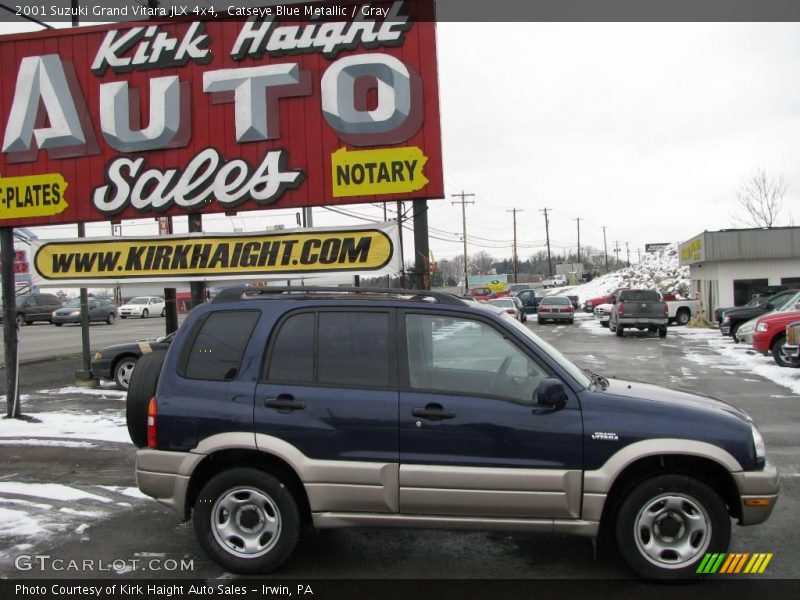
x,y
47,443
106,426
738,357
68,509
657,270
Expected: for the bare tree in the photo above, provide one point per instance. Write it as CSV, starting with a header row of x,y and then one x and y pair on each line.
x,y
481,262
761,198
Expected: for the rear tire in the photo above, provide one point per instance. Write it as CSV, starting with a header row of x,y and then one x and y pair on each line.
x,y
662,331
683,317
246,520
142,387
618,329
734,330
666,525
110,318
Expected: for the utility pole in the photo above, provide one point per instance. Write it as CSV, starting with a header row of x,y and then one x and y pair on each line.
x,y
639,252
628,253
605,247
616,253
547,234
514,212
385,218
578,219
463,202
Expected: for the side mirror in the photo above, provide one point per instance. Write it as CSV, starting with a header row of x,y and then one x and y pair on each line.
x,y
551,394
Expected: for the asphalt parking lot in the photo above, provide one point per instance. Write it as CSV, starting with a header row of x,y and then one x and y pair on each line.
x,y
67,487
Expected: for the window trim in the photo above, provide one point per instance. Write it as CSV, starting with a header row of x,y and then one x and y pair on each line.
x,y
392,346
404,368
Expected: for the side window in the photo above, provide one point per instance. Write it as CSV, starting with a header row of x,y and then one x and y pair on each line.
x,y
353,349
216,353
462,356
292,357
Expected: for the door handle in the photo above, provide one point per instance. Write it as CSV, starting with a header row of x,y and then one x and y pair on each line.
x,y
285,402
434,412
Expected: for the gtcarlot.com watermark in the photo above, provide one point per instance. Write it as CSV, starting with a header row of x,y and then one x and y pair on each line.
x,y
45,562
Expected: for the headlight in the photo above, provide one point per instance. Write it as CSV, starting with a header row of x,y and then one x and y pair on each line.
x,y
758,444
762,327
75,313
726,319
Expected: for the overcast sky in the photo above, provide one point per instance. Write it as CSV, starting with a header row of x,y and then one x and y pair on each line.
x,y
649,129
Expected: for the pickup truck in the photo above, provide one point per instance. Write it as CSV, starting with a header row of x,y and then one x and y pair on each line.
x,y
641,309
555,281
734,318
680,311
770,336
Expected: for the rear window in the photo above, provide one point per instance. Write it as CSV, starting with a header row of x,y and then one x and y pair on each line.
x,y
556,300
216,353
639,296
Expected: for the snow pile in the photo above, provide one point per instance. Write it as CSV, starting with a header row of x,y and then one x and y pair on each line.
x,y
106,426
657,271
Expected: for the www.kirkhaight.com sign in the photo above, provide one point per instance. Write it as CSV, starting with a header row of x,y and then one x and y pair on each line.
x,y
285,254
176,116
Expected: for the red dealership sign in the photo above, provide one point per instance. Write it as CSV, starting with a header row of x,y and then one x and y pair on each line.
x,y
166,118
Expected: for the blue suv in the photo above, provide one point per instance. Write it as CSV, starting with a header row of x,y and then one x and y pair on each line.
x,y
275,408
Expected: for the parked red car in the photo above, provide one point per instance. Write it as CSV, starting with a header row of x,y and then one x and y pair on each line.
x,y
484,293
589,305
770,336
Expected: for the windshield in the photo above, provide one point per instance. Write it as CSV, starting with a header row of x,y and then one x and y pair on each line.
x,y
76,303
138,300
787,302
576,372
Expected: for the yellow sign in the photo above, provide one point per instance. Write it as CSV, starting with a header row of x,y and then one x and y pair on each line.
x,y
215,256
377,172
496,286
32,196
692,251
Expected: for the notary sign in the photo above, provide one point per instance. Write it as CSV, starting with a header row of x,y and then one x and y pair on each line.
x,y
171,117
287,254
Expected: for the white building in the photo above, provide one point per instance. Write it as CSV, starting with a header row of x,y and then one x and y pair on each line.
x,y
727,267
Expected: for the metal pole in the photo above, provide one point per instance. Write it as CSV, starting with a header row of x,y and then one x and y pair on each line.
x,y
385,218
579,238
84,376
10,333
421,246
402,253
605,247
547,234
198,287
514,212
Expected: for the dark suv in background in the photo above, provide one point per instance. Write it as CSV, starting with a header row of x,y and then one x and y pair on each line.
x,y
274,408
35,307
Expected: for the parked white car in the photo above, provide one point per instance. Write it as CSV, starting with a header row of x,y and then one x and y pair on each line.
x,y
555,281
602,312
142,307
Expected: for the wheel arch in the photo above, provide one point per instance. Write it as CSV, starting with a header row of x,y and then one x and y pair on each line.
x,y
703,468
227,458
778,335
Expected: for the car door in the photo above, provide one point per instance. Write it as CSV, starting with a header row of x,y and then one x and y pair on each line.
x,y
328,398
472,439
528,299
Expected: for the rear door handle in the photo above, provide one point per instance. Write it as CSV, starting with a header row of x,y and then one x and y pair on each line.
x,y
285,402
434,412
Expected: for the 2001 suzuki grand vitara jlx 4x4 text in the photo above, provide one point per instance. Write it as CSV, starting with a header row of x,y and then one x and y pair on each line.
x,y
354,407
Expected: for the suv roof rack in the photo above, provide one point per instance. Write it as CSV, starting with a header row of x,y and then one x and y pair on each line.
x,y
233,294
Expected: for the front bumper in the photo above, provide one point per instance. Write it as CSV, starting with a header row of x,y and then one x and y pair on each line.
x,y
101,368
65,319
758,493
130,313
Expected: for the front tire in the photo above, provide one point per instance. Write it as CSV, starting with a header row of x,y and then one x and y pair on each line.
x,y
145,313
780,357
123,371
667,524
246,520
